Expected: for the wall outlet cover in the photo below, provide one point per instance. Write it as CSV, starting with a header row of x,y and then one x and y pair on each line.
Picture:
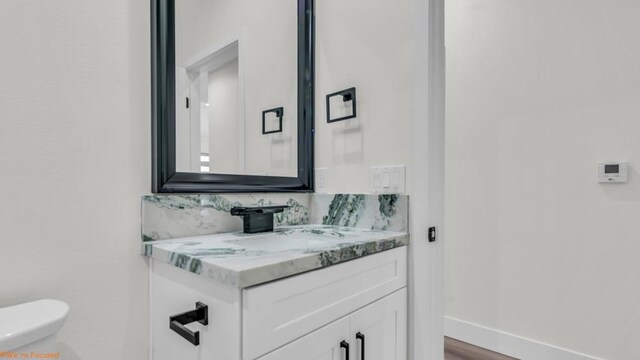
x,y
388,179
321,180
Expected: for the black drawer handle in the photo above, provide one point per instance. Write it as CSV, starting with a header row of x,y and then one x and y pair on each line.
x,y
177,322
345,345
360,336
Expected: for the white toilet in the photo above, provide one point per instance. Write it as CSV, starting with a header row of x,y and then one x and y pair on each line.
x,y
32,327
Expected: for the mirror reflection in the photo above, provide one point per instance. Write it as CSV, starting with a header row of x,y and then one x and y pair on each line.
x,y
236,86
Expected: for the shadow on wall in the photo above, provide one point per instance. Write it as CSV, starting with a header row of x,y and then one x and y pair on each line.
x,y
66,352
348,141
281,153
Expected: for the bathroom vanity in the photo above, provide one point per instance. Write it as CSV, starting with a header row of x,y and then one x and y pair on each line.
x,y
233,130
233,98
301,292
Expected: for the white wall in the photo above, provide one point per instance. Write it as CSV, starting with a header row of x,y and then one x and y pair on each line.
x,y
369,44
74,152
538,93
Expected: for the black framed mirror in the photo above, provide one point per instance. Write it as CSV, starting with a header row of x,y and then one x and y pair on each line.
x,y
213,96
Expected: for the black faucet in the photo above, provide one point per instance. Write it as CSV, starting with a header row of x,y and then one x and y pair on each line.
x,y
257,219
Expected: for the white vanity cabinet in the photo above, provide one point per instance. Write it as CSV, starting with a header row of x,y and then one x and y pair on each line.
x,y
306,316
376,332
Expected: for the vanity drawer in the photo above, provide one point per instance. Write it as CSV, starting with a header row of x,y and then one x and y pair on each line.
x,y
175,291
279,312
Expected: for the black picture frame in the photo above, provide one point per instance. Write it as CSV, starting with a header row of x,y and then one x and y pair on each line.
x,y
164,177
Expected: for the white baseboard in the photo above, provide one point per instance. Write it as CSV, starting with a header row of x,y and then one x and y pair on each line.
x,y
508,344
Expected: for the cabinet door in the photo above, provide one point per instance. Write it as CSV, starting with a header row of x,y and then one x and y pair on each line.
x,y
382,329
322,344
174,291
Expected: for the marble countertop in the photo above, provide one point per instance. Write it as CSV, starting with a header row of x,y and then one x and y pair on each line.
x,y
244,260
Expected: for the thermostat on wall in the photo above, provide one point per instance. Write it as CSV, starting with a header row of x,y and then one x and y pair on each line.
x,y
612,173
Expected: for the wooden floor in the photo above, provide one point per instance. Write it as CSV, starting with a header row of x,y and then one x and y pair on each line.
x,y
458,350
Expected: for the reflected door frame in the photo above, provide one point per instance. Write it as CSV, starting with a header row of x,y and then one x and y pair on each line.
x,y
192,83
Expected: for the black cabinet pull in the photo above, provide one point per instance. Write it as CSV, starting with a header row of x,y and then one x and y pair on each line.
x,y
345,345
360,336
177,322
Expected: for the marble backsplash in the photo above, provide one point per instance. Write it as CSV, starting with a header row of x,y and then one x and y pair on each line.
x,y
376,212
182,215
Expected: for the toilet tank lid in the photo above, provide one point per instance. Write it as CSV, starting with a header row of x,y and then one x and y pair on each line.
x,y
26,323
